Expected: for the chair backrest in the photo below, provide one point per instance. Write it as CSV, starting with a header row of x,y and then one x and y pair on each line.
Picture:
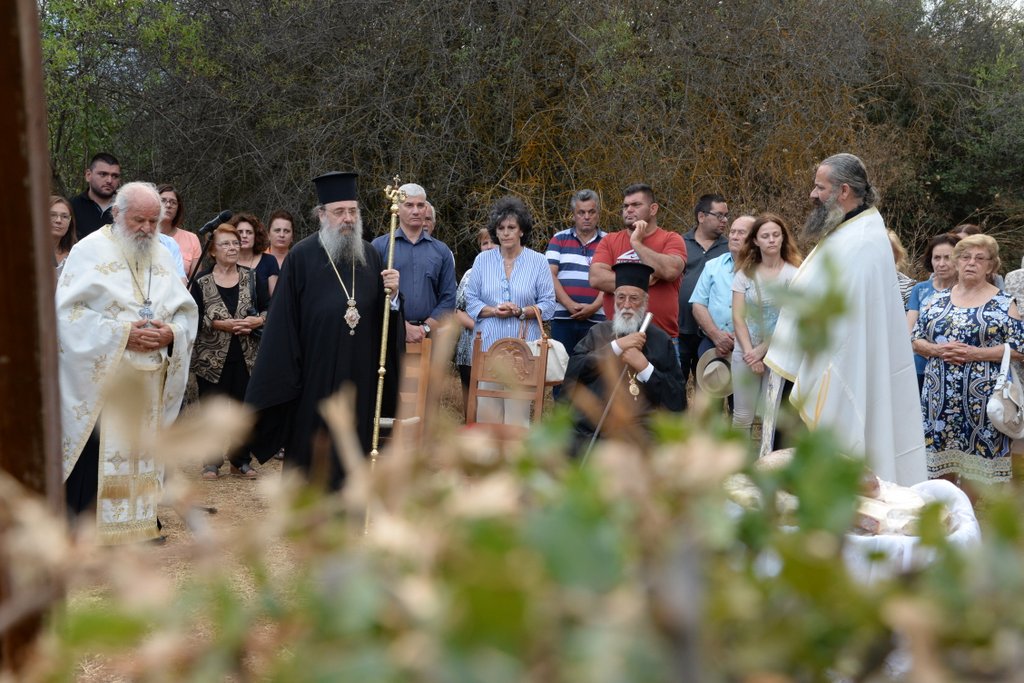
x,y
412,391
509,362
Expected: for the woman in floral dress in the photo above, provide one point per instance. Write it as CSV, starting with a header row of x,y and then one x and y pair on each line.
x,y
961,332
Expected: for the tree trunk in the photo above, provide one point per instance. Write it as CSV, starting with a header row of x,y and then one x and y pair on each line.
x,y
29,417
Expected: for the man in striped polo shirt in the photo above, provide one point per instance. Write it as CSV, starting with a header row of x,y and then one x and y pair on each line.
x,y
579,305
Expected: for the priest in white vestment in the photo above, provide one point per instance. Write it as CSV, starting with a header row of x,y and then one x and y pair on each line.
x,y
125,327
862,385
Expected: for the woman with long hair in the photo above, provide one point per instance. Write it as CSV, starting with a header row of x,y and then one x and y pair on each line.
x,y
767,263
172,223
62,229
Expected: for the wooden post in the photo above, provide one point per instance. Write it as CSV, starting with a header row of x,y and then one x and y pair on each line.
x,y
29,418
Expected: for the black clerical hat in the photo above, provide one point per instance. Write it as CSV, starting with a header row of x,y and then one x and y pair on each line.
x,y
337,187
633,274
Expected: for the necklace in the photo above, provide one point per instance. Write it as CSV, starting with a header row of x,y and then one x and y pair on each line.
x,y
634,388
146,312
351,313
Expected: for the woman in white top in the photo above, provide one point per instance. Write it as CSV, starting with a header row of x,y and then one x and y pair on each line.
x,y
766,263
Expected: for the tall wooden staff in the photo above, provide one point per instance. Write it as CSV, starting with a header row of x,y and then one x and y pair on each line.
x,y
397,197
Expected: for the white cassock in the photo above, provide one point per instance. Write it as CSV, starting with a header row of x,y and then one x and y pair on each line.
x,y
863,386
101,291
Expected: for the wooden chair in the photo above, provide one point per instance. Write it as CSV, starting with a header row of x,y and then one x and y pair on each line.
x,y
510,363
412,390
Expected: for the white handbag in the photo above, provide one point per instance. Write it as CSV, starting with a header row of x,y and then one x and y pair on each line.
x,y
1005,406
558,357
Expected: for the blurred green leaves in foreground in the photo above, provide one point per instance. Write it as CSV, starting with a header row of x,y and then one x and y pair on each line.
x,y
613,572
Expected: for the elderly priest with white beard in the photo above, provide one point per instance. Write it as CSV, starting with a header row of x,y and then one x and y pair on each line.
x,y
323,332
653,378
125,327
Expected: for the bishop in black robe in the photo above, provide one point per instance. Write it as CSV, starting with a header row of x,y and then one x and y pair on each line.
x,y
310,351
307,354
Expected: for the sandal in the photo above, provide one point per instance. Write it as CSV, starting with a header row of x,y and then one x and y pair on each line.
x,y
210,472
245,472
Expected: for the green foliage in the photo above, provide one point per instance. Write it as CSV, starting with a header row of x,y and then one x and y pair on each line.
x,y
241,102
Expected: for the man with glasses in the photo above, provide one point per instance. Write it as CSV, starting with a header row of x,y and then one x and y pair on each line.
x,y
323,333
704,242
645,363
859,379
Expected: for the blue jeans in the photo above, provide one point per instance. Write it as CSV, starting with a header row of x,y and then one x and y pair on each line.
x,y
569,332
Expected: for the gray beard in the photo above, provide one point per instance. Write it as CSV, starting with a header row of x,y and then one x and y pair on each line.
x,y
344,247
823,219
628,324
137,246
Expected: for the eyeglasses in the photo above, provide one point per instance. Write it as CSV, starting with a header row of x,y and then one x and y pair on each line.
x,y
719,216
169,202
60,217
233,243
966,258
635,299
343,212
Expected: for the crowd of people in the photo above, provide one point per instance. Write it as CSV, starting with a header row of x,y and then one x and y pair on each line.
x,y
902,378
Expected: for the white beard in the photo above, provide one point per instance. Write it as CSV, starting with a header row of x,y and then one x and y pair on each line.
x,y
343,247
823,218
137,246
628,322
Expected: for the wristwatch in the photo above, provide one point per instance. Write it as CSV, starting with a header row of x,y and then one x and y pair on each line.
x,y
522,314
426,329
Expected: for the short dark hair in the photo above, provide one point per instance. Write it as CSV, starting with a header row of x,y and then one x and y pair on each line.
x,y
705,202
260,239
504,208
281,213
179,216
945,238
640,187
105,157
968,229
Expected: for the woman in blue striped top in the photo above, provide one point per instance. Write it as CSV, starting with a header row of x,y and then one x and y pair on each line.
x,y
509,282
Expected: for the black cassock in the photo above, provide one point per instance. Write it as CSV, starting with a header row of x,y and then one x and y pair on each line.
x,y
665,389
307,354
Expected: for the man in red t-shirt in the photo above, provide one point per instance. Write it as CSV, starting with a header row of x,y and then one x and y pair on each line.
x,y
643,241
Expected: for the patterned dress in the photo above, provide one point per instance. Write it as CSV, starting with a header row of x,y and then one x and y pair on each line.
x,y
959,438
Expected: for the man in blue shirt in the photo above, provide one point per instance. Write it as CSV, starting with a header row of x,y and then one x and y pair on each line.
x,y
711,300
703,243
426,265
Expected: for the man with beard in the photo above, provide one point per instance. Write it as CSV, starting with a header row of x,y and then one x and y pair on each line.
x,y
653,378
125,327
323,332
92,207
859,381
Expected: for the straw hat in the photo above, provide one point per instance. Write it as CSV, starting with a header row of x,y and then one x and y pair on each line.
x,y
714,374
